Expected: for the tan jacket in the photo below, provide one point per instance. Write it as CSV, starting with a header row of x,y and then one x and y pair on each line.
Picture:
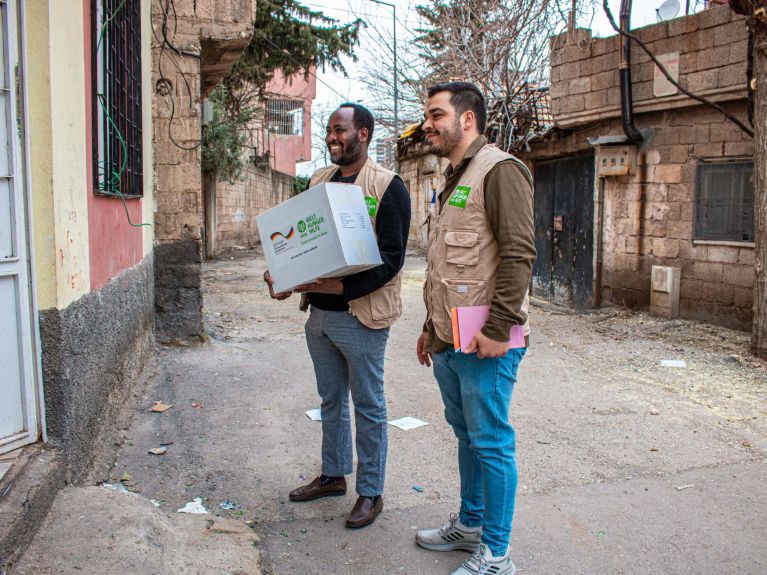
x,y
383,307
463,252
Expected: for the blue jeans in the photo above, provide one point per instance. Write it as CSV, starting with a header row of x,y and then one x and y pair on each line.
x,y
349,356
477,393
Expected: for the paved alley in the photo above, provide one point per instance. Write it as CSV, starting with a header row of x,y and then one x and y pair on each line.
x,y
626,466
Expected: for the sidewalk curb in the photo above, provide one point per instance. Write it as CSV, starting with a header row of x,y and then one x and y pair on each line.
x,y
26,494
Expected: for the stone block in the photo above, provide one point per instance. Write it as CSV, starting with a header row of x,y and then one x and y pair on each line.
x,y
679,230
717,293
727,132
682,26
687,211
691,288
573,104
747,256
703,80
726,34
580,85
738,52
723,254
693,134
742,296
595,100
708,271
739,149
667,173
733,75
674,212
715,150
738,275
653,32
714,17
604,80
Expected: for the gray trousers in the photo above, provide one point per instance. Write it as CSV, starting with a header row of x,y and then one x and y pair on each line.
x,y
348,356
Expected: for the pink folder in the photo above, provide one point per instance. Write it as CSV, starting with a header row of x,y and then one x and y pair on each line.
x,y
470,320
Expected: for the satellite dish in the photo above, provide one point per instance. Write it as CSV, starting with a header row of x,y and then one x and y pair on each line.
x,y
668,10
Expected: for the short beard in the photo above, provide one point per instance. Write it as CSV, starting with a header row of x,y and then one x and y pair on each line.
x,y
448,141
351,154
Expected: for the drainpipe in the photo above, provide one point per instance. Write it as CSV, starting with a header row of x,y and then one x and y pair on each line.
x,y
627,100
600,244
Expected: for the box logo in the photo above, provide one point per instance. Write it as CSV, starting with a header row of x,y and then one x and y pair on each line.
x,y
281,242
301,226
372,204
459,197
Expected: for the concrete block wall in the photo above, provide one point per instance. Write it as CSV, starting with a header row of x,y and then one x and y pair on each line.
x,y
422,174
238,204
713,50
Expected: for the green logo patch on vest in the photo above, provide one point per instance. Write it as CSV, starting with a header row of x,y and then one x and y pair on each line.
x,y
459,197
372,204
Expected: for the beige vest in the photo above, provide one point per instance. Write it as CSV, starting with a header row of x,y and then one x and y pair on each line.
x,y
383,307
463,253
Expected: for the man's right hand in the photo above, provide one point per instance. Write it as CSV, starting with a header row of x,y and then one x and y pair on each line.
x,y
424,358
278,296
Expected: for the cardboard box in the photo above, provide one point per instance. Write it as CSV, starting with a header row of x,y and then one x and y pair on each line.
x,y
323,232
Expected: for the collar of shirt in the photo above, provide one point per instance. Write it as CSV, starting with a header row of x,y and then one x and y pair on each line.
x,y
452,175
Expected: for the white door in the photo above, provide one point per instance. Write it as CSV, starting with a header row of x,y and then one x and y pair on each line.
x,y
18,397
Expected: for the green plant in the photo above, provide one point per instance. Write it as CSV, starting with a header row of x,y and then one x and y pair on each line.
x,y
300,184
224,138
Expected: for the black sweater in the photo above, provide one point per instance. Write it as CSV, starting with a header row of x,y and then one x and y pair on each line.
x,y
392,228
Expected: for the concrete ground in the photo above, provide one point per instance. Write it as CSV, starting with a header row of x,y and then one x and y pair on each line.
x,y
625,466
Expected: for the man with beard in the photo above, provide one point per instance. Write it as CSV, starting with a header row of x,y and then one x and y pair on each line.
x,y
349,322
481,252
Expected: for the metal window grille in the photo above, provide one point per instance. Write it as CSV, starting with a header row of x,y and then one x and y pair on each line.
x,y
724,201
285,117
117,134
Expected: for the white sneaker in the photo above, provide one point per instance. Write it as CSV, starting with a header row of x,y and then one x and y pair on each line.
x,y
451,536
483,562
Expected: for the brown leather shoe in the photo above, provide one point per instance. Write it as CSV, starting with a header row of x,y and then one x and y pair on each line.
x,y
314,490
364,513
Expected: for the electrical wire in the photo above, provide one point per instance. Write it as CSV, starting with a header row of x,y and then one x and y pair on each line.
x,y
110,185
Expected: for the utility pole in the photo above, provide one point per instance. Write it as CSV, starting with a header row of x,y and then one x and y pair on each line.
x,y
396,82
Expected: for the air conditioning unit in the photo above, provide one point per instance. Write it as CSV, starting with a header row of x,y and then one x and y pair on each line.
x,y
665,284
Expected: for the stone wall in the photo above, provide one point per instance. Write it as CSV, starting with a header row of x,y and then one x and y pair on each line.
x,y
422,174
204,39
648,217
238,204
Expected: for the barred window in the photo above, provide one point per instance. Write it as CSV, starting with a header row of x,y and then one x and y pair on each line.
x,y
285,117
116,89
724,201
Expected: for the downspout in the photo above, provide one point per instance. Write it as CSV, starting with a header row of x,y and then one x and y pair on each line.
x,y
600,244
624,70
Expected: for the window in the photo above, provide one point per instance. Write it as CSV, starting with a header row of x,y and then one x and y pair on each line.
x,y
116,89
285,117
724,201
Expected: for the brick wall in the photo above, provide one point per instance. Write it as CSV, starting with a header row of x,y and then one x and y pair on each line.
x,y
238,204
648,217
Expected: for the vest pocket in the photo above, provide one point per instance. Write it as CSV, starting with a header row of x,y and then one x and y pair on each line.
x,y
462,248
464,293
383,303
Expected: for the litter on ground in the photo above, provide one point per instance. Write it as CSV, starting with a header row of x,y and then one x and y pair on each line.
x,y
418,488
229,505
159,407
158,450
673,363
194,507
407,423
314,414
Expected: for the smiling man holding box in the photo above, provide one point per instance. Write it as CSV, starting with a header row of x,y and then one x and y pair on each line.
x,y
481,252
348,326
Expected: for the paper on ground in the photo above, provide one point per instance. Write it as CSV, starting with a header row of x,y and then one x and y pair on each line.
x,y
314,414
407,423
673,363
194,507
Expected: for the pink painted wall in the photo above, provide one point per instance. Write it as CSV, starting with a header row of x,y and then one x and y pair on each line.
x,y
286,150
114,244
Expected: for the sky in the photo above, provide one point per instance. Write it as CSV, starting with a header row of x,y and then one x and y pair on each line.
x,y
376,41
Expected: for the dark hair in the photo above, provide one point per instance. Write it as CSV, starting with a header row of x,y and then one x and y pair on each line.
x,y
464,96
362,117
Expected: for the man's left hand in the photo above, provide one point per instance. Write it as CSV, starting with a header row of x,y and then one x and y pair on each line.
x,y
486,347
323,285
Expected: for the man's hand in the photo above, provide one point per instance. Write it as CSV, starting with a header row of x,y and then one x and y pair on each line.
x,y
424,358
323,285
486,347
270,282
